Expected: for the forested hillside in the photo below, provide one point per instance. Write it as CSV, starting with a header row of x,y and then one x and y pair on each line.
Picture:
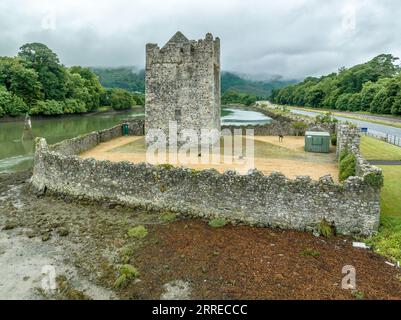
x,y
127,78
233,82
35,82
374,86
235,89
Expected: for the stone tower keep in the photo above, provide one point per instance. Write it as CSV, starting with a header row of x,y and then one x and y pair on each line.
x,y
183,85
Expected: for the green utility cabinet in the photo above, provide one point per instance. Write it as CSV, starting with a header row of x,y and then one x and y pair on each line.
x,y
125,129
317,141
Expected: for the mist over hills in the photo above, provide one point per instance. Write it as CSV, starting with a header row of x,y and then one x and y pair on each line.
x,y
133,79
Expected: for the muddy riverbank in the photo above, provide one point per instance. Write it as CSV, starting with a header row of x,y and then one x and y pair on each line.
x,y
154,255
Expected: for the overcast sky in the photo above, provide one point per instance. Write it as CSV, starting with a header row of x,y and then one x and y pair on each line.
x,y
292,38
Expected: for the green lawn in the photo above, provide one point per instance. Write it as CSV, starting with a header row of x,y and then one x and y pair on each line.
x,y
373,149
388,240
391,191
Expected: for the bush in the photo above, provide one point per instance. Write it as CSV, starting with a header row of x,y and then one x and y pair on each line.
x,y
343,154
217,223
121,99
74,106
347,167
334,139
375,179
130,271
48,108
299,127
11,104
127,273
326,229
327,117
2,112
139,99
358,295
138,232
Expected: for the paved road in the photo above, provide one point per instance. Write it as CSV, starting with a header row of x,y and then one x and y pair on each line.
x,y
368,116
385,162
378,129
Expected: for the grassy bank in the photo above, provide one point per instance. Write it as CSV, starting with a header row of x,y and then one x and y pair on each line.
x,y
391,191
388,241
373,149
355,116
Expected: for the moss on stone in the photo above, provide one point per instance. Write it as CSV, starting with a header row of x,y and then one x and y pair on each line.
x,y
167,166
10,225
67,291
138,232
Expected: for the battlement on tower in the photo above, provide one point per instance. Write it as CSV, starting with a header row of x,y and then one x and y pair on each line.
x,y
179,49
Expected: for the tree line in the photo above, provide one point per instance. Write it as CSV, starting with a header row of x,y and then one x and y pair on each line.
x,y
374,86
35,82
234,97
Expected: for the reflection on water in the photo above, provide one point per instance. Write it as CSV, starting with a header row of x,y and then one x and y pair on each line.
x,y
16,154
238,117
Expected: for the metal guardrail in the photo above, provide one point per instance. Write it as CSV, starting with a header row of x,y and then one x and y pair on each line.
x,y
394,140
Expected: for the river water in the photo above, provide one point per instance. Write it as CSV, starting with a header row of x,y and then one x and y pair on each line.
x,y
17,154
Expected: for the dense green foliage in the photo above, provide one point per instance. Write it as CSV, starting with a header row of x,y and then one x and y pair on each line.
x,y
36,82
120,99
10,103
230,97
124,77
333,139
343,154
374,86
347,166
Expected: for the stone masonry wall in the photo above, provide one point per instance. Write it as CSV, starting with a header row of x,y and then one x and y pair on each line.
x,y
348,137
83,143
183,85
255,199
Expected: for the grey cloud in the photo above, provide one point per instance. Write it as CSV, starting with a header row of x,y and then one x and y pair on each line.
x,y
292,38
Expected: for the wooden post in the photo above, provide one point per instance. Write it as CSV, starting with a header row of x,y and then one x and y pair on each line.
x,y
27,134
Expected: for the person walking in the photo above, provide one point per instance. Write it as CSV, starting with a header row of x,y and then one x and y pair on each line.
x,y
280,135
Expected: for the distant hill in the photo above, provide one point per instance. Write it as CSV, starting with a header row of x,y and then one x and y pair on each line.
x,y
373,86
128,78
234,82
132,79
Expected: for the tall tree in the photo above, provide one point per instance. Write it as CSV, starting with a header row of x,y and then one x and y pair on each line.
x,y
51,73
20,80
